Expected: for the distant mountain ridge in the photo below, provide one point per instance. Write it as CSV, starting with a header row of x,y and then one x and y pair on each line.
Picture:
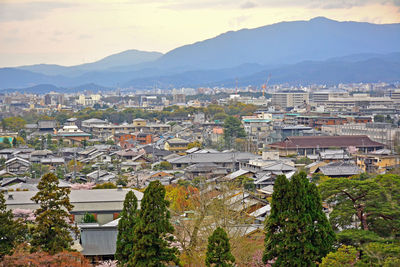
x,y
128,57
318,50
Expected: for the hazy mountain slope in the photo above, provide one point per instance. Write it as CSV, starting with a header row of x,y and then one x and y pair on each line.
x,y
286,42
369,68
129,57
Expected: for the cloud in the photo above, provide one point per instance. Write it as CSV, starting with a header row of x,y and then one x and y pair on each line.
x,y
248,5
84,36
17,11
322,4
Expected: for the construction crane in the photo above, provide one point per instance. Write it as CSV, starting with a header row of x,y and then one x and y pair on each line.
x,y
236,86
264,86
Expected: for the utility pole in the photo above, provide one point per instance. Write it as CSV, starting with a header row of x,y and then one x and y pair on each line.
x,y
75,164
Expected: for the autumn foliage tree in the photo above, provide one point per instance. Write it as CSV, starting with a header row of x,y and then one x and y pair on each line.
x,y
22,257
53,225
182,198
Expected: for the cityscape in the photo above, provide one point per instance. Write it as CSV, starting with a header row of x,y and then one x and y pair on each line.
x,y
275,143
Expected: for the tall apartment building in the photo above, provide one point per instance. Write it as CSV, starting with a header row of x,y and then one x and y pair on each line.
x,y
290,99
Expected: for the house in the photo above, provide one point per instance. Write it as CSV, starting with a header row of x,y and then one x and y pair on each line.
x,y
306,145
100,176
18,166
379,161
105,204
339,169
205,169
331,155
53,161
127,154
72,135
176,145
228,160
165,178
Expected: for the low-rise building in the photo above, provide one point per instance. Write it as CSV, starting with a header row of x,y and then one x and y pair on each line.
x,y
306,145
176,145
104,204
377,162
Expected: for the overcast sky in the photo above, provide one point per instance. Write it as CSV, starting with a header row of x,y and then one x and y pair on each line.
x,y
70,32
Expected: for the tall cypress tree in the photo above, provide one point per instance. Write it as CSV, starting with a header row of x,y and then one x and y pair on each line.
x,y
219,249
52,231
12,232
153,230
275,222
126,228
297,231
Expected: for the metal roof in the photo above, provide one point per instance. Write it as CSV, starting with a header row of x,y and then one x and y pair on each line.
x,y
99,240
79,196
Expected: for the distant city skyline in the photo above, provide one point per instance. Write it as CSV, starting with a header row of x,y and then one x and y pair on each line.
x,y
75,32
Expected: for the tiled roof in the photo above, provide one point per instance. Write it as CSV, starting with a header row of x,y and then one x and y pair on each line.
x,y
293,142
340,168
213,157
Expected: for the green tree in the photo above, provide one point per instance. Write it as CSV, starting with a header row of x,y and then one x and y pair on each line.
x,y
13,123
345,256
22,133
297,230
12,232
153,231
194,144
84,143
89,218
232,129
37,170
6,141
14,142
126,228
357,237
373,202
163,165
219,249
52,231
380,254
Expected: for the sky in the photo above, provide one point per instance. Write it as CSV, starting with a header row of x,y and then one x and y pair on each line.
x,y
71,32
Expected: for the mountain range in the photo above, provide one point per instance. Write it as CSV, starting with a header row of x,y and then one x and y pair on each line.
x,y
299,52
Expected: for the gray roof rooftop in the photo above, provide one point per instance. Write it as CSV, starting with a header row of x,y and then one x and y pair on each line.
x,y
213,157
340,168
79,196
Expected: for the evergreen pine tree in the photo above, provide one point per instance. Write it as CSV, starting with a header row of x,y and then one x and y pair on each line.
x,y
275,222
219,250
153,230
297,231
12,232
52,231
126,227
